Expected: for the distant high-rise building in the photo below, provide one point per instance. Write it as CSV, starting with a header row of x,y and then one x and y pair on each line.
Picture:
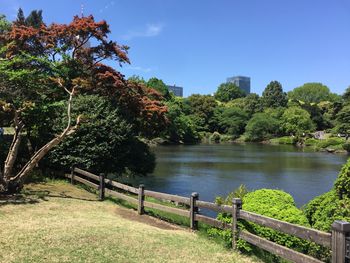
x,y
178,91
241,82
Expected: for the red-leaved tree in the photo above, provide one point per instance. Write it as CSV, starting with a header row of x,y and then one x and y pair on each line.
x,y
44,65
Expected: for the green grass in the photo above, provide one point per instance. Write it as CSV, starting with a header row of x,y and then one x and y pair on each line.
x,y
58,222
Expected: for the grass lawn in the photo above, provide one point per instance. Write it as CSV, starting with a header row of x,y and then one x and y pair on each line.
x,y
57,222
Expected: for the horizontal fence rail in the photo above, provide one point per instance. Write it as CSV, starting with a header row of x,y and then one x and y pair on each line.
x,y
337,241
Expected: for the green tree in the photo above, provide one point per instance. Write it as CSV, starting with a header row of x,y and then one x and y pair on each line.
x,y
137,79
159,86
21,20
346,95
201,108
181,128
312,93
261,127
250,104
343,120
273,95
297,121
232,121
104,142
227,92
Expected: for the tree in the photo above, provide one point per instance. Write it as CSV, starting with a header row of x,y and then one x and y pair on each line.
x,y
21,20
34,19
297,121
201,108
47,65
159,86
104,142
232,121
227,92
261,126
343,121
346,95
273,95
181,128
312,93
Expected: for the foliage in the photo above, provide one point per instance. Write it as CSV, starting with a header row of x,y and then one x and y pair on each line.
x,y
342,184
34,19
346,95
296,121
346,146
232,121
261,127
324,209
158,85
343,120
43,66
312,93
273,95
181,127
330,142
227,92
104,143
285,140
272,203
250,104
201,108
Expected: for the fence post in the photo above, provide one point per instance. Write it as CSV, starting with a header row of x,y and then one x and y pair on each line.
x,y
72,173
102,187
340,250
193,211
141,197
236,206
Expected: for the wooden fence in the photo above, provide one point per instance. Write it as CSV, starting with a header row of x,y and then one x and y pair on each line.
x,y
338,241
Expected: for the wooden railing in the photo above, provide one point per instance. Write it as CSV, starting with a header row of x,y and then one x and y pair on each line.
x,y
337,241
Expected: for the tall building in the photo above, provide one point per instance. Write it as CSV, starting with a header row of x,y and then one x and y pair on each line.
x,y
178,91
241,82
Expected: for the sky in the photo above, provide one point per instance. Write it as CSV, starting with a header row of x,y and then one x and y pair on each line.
x,y
197,44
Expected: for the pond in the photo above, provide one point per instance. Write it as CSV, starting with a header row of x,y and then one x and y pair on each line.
x,y
216,170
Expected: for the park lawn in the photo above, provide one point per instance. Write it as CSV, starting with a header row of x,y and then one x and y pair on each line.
x,y
58,222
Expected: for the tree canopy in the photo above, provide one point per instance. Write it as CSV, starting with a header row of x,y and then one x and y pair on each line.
x,y
227,92
45,65
273,95
312,93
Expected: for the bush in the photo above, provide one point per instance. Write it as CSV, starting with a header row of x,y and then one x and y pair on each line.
x,y
342,184
272,203
311,142
287,140
105,143
333,141
346,146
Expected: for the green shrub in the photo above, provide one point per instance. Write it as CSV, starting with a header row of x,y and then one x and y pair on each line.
x,y
288,140
333,141
272,203
346,146
311,142
342,184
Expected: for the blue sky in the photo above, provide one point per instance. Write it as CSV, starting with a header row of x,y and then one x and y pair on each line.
x,y
197,44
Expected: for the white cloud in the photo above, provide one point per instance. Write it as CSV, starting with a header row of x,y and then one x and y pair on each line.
x,y
151,30
137,68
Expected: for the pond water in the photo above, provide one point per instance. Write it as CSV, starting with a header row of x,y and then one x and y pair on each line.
x,y
216,170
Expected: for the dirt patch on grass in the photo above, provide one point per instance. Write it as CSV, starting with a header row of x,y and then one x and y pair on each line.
x,y
145,219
